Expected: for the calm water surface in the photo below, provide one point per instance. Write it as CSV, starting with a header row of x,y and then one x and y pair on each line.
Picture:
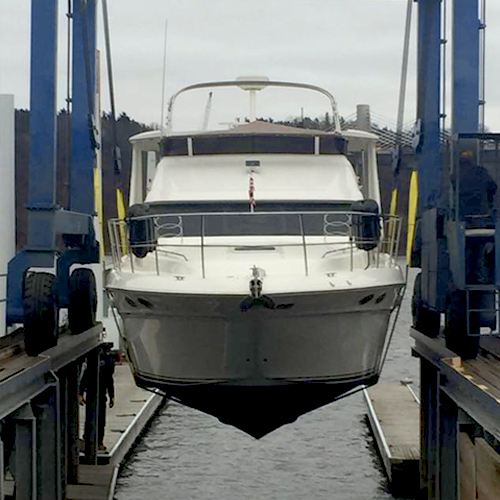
x,y
326,454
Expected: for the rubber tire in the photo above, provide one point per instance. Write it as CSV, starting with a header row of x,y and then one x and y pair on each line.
x,y
425,320
40,313
82,301
457,339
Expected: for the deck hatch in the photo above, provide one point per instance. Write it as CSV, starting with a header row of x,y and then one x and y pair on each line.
x,y
254,248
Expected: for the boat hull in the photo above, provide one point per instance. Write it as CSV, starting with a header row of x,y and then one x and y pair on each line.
x,y
259,410
284,358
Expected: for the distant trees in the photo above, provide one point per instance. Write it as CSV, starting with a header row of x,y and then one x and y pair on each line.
x,y
319,123
126,127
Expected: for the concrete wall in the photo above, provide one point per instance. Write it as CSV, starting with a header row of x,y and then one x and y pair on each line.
x,y
7,197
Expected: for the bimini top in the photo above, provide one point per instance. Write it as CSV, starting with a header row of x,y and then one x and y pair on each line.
x,y
253,84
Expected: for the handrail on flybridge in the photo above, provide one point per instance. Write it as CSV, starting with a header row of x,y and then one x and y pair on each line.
x,y
253,84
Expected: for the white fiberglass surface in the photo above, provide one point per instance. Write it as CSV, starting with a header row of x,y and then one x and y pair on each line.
x,y
223,257
225,265
279,177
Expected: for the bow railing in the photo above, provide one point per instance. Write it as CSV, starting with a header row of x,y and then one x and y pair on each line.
x,y
358,239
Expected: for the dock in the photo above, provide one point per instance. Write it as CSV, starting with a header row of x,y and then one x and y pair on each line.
x,y
460,439
456,454
394,418
95,482
133,410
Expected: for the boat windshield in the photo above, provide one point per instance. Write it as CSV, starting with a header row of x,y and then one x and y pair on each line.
x,y
224,105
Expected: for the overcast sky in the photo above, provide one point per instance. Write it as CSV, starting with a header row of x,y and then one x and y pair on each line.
x,y
351,47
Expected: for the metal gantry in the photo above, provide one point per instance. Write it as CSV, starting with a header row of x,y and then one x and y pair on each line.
x,y
446,230
39,416
39,394
57,237
458,252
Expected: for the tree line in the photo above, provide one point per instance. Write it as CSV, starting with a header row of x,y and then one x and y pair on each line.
x,y
126,127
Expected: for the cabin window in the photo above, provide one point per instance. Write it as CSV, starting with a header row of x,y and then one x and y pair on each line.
x,y
253,144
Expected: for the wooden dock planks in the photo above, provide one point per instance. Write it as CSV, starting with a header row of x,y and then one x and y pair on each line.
x,y
482,372
479,462
394,416
479,469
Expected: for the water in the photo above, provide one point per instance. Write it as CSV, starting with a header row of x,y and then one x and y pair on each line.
x,y
326,454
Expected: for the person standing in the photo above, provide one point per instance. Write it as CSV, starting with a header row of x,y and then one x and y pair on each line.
x,y
106,388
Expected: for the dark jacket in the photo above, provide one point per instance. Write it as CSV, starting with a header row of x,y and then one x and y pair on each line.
x,y
477,190
106,383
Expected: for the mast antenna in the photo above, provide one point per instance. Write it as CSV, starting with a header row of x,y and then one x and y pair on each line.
x,y
162,125
208,109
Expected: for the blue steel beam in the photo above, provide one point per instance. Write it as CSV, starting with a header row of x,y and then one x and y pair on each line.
x,y
465,115
45,219
429,157
43,90
84,85
42,161
428,102
466,29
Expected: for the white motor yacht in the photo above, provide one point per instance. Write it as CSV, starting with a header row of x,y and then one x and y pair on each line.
x,y
255,274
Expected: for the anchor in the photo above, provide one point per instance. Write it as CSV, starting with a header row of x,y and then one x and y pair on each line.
x,y
256,299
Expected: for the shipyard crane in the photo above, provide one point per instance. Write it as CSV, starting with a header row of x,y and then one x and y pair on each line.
x,y
457,236
40,281
456,247
41,277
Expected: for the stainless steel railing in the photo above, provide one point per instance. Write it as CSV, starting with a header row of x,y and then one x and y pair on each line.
x,y
344,233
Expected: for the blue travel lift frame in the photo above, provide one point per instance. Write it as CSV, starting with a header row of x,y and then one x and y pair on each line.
x,y
441,253
48,223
